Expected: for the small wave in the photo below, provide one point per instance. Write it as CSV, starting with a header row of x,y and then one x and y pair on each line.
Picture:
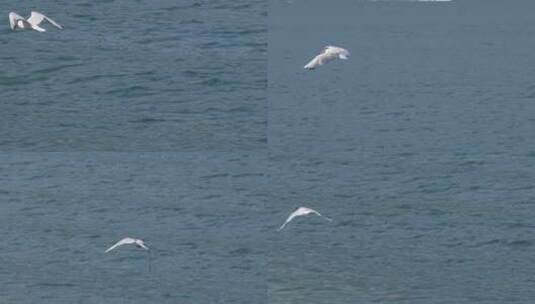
x,y
486,243
344,195
191,21
217,175
147,120
241,252
51,284
85,17
133,91
182,7
57,68
95,77
520,243
210,196
215,81
248,175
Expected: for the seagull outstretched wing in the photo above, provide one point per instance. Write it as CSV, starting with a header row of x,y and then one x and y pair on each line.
x,y
36,18
141,244
329,53
337,51
319,214
320,59
122,242
299,212
291,217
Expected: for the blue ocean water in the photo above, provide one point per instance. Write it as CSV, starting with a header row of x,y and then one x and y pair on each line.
x,y
138,76
420,146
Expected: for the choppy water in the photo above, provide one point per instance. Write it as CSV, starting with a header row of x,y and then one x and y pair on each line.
x,y
420,147
137,76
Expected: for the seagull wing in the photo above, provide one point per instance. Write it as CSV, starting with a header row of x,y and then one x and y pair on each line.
x,y
143,245
312,64
344,54
13,18
120,243
321,59
36,18
333,49
323,216
337,52
291,217
319,214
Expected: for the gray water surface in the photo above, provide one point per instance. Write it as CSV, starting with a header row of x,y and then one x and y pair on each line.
x,y
137,76
197,213
420,147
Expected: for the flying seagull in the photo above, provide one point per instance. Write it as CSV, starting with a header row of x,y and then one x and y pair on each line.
x,y
128,240
302,211
16,21
329,53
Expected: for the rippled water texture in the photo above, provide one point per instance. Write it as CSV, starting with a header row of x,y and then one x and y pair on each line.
x,y
137,76
420,147
197,213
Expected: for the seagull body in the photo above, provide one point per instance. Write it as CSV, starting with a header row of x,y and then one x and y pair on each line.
x,y
128,240
16,21
329,53
302,211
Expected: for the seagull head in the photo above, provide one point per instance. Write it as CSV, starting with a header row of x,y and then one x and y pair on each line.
x,y
18,24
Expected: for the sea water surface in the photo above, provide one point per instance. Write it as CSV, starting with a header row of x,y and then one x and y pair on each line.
x,y
135,76
198,214
420,146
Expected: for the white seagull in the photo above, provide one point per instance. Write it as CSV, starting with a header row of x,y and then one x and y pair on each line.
x,y
16,21
128,240
302,211
329,53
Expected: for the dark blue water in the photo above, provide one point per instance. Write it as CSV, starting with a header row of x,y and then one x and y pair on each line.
x,y
420,147
138,76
